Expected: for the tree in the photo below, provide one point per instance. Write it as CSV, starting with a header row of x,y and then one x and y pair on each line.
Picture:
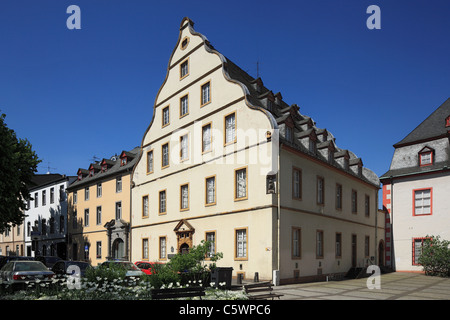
x,y
435,257
18,163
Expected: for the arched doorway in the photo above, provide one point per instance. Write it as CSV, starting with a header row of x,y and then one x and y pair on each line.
x,y
184,248
118,249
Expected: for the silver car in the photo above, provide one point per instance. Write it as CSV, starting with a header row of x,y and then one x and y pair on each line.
x,y
23,272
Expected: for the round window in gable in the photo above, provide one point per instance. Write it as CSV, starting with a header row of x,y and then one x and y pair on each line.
x,y
184,43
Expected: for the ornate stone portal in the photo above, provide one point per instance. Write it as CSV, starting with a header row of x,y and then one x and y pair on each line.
x,y
118,239
184,232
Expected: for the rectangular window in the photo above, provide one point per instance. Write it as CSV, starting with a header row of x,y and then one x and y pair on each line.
x,y
354,201
240,184
162,202
184,105
145,206
162,248
206,93
422,202
184,69
230,128
210,183
99,215
44,197
86,217
211,238
165,155
165,116
99,190
426,159
75,197
52,195
36,200
145,249
119,184
338,196
338,249
367,246
241,244
417,249
118,210
184,197
320,191
150,161
184,147
62,194
296,183
86,193
367,205
296,243
319,244
206,138
99,249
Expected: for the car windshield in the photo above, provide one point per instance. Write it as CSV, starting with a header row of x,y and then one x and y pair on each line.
x,y
30,266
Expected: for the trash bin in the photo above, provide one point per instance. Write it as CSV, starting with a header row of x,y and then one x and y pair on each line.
x,y
221,275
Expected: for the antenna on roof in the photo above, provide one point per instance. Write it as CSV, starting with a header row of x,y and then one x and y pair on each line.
x,y
49,168
95,159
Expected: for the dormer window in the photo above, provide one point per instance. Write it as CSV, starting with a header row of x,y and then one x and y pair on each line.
x,y
312,146
426,157
270,105
123,161
447,121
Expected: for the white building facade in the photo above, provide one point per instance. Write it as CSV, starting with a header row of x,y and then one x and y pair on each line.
x,y
45,224
416,189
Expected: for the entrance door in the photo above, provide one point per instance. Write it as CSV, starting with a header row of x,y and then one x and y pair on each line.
x,y
381,254
118,249
353,250
184,248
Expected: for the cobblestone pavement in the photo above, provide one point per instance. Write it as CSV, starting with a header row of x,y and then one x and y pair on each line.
x,y
393,286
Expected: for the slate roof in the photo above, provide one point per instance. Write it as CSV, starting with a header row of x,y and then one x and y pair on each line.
x,y
431,127
112,171
282,111
41,180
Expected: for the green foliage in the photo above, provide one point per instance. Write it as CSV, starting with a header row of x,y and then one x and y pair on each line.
x,y
435,257
18,163
185,268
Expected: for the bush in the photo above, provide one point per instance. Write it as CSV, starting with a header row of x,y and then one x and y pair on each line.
x,y
435,257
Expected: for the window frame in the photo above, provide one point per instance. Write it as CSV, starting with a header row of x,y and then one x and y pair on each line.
x,y
145,251
338,197
245,255
210,138
320,244
186,96
202,103
300,191
160,257
181,196
225,136
208,253
168,155
145,216
338,249
421,154
414,202
165,202
320,193
207,204
163,118
152,161
299,243
186,136
236,198
354,201
185,61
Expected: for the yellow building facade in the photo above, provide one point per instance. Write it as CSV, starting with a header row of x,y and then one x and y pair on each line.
x,y
225,159
99,210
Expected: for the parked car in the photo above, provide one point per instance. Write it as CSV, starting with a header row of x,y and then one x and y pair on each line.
x,y
148,267
49,261
4,260
20,272
131,269
61,266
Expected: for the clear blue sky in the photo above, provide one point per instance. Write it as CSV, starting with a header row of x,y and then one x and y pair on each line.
x,y
76,94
